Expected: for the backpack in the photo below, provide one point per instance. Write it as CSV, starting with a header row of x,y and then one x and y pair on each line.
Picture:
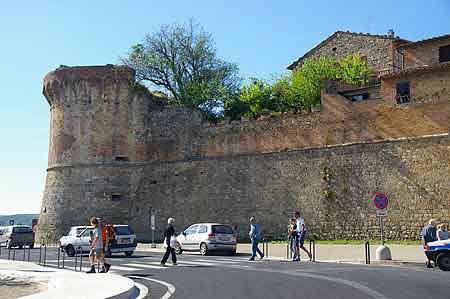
x,y
258,232
108,229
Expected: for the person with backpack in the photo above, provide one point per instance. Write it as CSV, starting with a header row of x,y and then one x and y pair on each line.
x,y
108,237
97,250
255,236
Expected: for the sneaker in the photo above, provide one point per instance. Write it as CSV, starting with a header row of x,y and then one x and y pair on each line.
x,y
163,265
251,259
261,257
92,270
174,264
107,267
103,270
296,260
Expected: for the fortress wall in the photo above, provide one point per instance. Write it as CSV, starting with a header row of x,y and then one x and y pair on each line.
x,y
181,166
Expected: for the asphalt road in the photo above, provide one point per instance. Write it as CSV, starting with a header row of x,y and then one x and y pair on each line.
x,y
235,277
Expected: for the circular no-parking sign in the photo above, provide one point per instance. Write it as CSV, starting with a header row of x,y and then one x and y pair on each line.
x,y
381,201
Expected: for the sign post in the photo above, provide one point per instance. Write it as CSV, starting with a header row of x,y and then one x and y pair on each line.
x,y
153,227
381,202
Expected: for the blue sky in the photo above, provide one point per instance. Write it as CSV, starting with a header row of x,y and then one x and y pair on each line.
x,y
262,37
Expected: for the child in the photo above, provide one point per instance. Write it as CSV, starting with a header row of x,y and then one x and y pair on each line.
x,y
292,233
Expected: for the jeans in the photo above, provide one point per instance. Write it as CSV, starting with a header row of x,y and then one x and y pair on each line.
x,y
255,248
169,250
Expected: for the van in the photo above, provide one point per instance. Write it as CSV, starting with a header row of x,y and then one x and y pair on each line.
x,y
16,236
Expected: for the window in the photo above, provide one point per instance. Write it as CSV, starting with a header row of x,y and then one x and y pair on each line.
x,y
116,197
87,232
191,230
203,229
444,53
403,92
222,229
121,158
123,230
359,97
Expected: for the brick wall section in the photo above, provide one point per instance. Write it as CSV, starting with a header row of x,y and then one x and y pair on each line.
x,y
423,54
184,167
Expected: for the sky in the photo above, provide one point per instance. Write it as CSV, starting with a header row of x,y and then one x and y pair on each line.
x,y
262,37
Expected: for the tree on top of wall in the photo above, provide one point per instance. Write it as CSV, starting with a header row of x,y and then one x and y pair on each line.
x,y
181,60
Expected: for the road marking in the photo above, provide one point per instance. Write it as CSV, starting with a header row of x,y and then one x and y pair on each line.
x,y
143,290
170,288
120,268
149,266
197,263
219,261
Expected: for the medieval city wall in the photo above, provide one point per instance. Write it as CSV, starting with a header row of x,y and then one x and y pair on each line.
x,y
116,153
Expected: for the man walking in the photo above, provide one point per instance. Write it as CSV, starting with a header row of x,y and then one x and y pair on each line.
x,y
168,234
255,236
301,234
97,251
429,235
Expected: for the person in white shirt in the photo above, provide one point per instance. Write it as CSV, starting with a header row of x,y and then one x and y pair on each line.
x,y
301,234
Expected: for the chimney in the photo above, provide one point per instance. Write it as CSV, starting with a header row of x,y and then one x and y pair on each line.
x,y
390,33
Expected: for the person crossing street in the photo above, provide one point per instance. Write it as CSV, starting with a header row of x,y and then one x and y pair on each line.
x,y
255,236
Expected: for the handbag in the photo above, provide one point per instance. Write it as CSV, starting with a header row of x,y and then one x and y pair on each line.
x,y
173,242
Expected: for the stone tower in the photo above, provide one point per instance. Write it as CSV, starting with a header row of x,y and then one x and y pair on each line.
x,y
98,121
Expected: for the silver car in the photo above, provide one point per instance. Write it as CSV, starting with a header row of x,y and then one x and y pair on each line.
x,y
207,237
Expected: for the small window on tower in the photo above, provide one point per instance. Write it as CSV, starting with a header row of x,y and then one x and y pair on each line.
x,y
116,197
444,53
121,158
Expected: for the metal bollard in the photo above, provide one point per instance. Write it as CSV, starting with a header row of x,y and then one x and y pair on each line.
x,y
367,252
23,259
45,255
76,258
29,252
287,251
64,256
81,258
40,253
267,249
59,254
9,253
312,249
14,253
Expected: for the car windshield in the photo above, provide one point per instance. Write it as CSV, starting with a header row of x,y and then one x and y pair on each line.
x,y
222,229
123,230
22,229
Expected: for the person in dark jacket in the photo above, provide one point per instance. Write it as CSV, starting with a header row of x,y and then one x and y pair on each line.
x,y
168,234
429,235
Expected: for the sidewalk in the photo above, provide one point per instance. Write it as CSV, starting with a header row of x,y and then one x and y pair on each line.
x,y
58,283
332,253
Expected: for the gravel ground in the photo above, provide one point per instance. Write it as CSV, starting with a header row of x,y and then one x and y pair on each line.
x,y
15,285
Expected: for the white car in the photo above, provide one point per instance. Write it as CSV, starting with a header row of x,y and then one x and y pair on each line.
x,y
207,237
80,236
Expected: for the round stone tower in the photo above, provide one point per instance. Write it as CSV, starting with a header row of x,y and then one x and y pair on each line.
x,y
96,133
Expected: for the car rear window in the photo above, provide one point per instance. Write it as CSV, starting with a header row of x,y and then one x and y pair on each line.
x,y
123,230
18,230
222,229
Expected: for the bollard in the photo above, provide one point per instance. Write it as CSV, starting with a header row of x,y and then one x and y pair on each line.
x,y
64,256
76,258
9,253
287,251
23,259
59,254
29,252
367,252
81,258
267,249
312,249
45,255
14,253
40,253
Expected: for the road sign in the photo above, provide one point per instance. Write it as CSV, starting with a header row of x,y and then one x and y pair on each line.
x,y
381,201
382,213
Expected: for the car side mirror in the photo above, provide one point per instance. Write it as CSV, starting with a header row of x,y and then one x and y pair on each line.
x,y
184,234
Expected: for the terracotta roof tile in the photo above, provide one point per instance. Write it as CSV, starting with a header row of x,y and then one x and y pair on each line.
x,y
417,70
423,41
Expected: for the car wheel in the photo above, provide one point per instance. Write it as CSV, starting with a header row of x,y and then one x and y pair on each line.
x,y
178,250
20,246
203,249
70,250
31,246
443,261
233,252
128,253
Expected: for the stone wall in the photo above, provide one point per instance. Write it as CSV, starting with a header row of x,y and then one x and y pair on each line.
x,y
425,86
422,54
180,165
378,50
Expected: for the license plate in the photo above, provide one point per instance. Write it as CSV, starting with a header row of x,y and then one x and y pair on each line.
x,y
224,238
124,241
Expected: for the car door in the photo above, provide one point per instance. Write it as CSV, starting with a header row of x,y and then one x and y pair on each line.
x,y
84,239
189,238
201,236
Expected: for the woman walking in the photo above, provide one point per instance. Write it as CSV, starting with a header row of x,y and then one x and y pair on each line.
x,y
292,233
168,234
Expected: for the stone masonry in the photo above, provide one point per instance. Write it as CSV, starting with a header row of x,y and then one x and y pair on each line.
x,y
115,152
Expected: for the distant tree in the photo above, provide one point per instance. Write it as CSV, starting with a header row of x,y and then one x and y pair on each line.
x,y
181,60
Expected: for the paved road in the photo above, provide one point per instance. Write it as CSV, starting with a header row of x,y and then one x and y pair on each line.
x,y
236,277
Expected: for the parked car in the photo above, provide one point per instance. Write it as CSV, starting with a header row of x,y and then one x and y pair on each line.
x,y
439,253
80,236
16,236
206,238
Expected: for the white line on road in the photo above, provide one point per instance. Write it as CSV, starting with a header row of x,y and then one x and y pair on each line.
x,y
145,266
170,288
218,261
143,290
196,263
114,267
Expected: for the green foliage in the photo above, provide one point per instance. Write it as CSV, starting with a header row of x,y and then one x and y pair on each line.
x,y
181,60
298,91
354,70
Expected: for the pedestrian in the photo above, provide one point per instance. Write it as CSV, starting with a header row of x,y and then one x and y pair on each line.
x,y
442,231
255,236
301,234
169,234
429,235
96,250
292,235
